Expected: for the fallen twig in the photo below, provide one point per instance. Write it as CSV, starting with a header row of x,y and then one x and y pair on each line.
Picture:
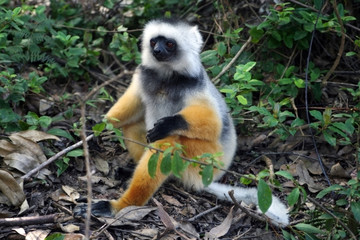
x,y
203,213
33,220
56,156
244,209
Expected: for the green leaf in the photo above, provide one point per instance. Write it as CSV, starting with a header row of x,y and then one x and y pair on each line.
x,y
300,35
242,99
264,196
45,121
221,49
297,122
256,34
248,66
61,133
349,54
316,114
299,83
98,128
177,165
325,191
119,135
276,35
293,197
75,153
285,81
329,138
165,165
287,235
308,228
288,40
209,57
245,181
285,174
55,236
355,209
152,164
207,175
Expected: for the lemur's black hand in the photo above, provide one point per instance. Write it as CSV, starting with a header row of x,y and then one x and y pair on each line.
x,y
165,126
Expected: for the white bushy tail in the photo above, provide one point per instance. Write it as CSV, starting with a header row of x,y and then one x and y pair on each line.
x,y
277,212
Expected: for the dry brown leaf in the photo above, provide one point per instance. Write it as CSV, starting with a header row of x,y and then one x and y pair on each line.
x,y
74,236
24,163
23,153
6,148
172,200
165,218
24,206
189,229
222,229
37,234
128,216
69,228
71,192
305,178
19,230
147,232
11,189
101,165
27,146
36,136
348,149
338,171
106,181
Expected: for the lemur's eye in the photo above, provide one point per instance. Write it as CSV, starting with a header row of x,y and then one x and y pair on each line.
x,y
170,44
152,43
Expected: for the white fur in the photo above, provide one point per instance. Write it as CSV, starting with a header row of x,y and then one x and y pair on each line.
x,y
277,212
189,42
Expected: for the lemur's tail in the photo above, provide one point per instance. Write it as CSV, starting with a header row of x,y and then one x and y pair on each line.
x,y
277,212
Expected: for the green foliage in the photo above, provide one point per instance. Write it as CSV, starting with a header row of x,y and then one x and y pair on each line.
x,y
63,163
334,132
347,206
55,236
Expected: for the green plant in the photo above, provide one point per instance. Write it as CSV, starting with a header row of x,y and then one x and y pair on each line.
x,y
334,127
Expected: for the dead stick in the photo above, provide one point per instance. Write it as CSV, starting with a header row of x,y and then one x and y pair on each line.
x,y
341,48
332,215
56,156
244,209
203,213
33,220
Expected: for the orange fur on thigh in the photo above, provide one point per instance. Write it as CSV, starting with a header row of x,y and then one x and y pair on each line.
x,y
142,186
135,132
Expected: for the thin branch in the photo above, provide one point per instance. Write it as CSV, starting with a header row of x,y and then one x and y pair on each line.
x,y
341,48
226,68
332,215
33,220
56,156
203,213
244,209
88,167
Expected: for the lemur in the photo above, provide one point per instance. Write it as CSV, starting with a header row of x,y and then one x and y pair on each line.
x,y
172,100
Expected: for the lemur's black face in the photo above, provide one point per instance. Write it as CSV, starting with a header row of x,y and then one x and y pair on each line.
x,y
163,49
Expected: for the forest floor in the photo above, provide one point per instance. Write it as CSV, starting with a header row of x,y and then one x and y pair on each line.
x,y
173,211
